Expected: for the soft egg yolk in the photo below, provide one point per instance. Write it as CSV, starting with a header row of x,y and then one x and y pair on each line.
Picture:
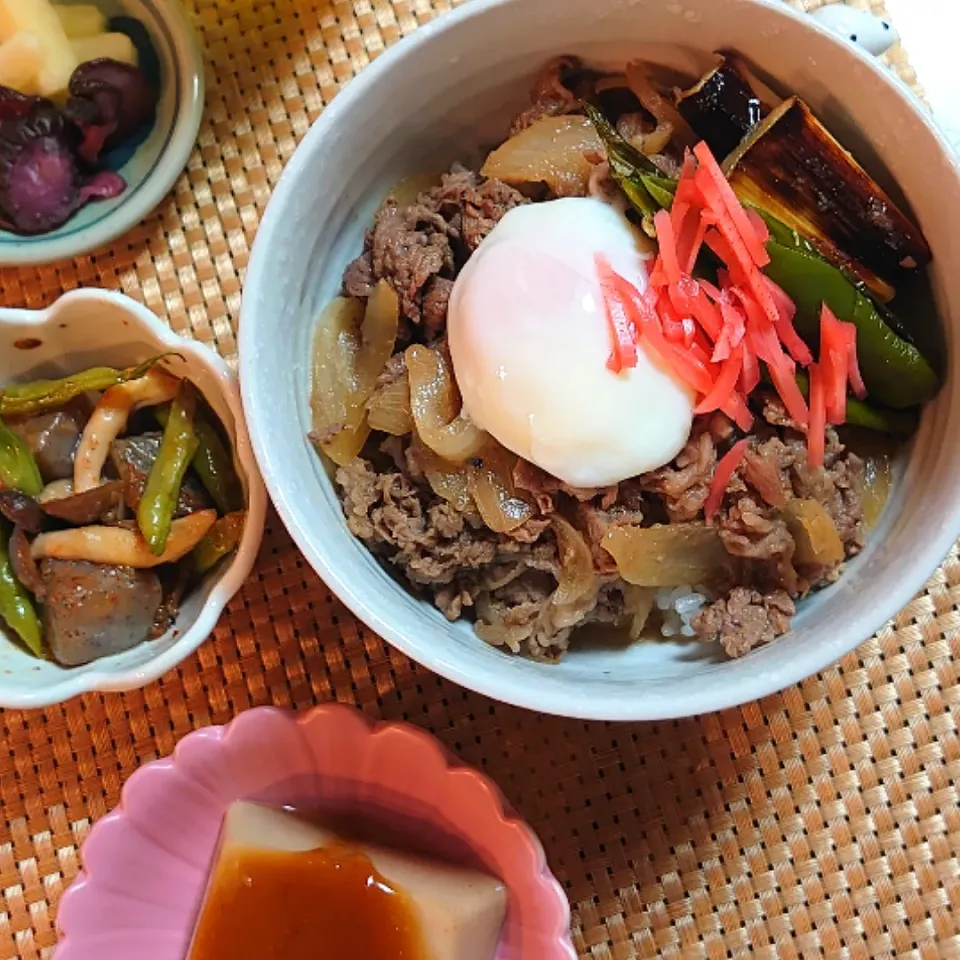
x,y
530,340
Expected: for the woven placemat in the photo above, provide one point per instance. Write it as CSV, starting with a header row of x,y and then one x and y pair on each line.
x,y
823,821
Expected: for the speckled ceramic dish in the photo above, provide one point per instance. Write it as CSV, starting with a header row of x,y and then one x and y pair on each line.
x,y
441,95
170,56
145,866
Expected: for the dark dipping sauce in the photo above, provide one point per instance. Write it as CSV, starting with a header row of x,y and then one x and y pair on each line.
x,y
325,904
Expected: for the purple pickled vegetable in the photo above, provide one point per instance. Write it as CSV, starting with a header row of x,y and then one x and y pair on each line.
x,y
41,183
39,178
109,102
14,104
104,185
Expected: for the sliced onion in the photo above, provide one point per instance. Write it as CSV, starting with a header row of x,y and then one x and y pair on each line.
x,y
577,576
435,403
670,555
639,603
552,151
816,535
501,505
659,106
381,323
351,347
388,410
449,481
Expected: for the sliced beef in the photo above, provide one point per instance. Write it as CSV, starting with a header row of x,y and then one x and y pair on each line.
x,y
103,503
420,247
504,580
744,619
684,484
436,300
550,96
53,439
94,611
133,459
753,531
484,207
25,568
21,510
409,246
429,540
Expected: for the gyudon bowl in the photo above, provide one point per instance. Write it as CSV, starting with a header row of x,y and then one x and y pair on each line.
x,y
448,94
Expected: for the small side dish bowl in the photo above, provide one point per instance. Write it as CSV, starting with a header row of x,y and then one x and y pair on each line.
x,y
445,94
145,866
171,56
90,328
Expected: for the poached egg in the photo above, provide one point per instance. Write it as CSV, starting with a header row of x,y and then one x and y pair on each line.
x,y
529,340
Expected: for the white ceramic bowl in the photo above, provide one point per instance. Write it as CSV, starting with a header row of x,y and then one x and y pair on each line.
x,y
90,328
449,89
152,168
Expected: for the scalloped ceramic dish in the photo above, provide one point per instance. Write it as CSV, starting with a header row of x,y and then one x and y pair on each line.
x,y
145,866
89,328
169,51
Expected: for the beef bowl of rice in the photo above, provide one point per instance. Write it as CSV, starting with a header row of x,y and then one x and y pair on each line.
x,y
600,357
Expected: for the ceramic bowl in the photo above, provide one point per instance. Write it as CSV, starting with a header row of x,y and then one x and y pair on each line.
x,y
169,55
145,866
89,328
450,89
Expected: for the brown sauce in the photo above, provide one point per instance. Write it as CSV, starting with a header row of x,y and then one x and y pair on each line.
x,y
326,904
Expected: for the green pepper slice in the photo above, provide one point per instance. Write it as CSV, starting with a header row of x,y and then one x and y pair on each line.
x,y
16,607
162,492
223,538
212,463
18,468
894,371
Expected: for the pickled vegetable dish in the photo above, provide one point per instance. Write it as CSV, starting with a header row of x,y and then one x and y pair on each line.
x,y
118,494
71,91
646,370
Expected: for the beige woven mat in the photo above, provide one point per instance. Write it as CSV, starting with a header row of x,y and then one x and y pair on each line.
x,y
823,821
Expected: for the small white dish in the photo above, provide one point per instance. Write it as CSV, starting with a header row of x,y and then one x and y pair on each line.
x,y
152,168
90,328
446,93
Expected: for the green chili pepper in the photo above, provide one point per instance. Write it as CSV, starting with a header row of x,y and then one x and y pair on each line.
x,y
223,538
901,424
894,371
212,463
24,398
16,607
18,468
162,492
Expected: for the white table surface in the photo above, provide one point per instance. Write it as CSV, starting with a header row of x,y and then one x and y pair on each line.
x,y
930,30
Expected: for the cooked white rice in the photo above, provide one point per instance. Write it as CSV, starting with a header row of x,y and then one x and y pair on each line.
x,y
678,606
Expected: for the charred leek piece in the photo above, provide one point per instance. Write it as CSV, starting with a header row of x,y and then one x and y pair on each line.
x,y
628,165
794,169
723,107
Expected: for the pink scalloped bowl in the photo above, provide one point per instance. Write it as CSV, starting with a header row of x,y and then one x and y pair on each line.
x,y
146,863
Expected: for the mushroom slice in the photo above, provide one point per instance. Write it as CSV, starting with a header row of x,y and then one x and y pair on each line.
x,y
119,546
109,419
